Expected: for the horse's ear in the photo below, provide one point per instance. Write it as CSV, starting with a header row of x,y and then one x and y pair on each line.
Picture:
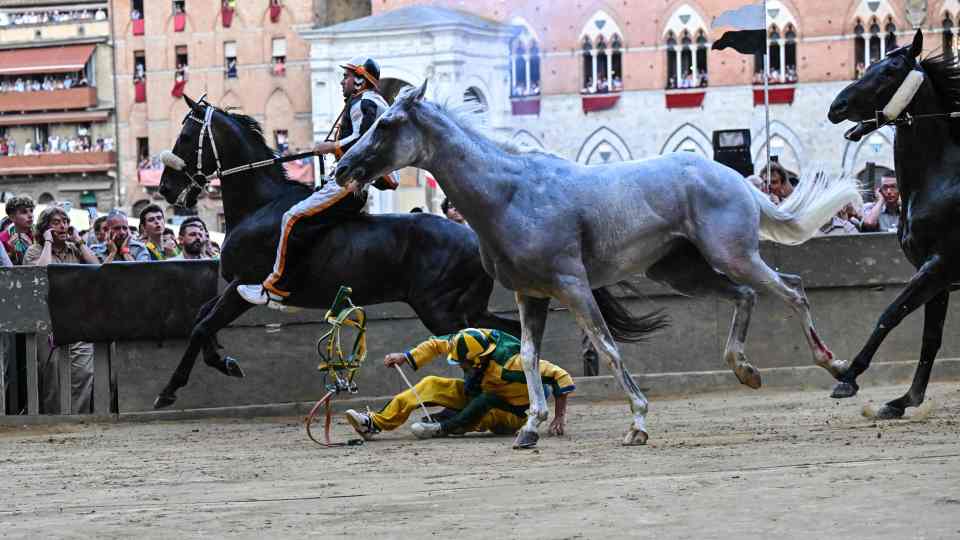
x,y
193,104
917,47
422,91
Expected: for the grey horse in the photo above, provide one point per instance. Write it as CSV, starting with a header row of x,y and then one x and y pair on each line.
x,y
551,228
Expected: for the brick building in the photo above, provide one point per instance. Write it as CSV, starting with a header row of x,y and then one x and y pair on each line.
x,y
57,102
243,54
603,81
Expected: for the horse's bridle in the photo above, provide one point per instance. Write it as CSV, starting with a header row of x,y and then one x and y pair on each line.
x,y
894,112
198,179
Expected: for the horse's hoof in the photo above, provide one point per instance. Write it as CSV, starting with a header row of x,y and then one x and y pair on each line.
x,y
526,440
844,390
232,368
748,375
164,400
635,437
890,412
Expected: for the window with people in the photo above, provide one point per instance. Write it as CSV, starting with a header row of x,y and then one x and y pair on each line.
x,y
279,56
139,66
43,83
525,64
948,36
602,55
182,63
781,55
52,139
687,60
872,43
230,59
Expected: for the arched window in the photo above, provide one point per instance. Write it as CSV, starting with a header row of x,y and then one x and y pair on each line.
x,y
602,55
588,87
790,55
948,36
524,62
876,44
474,97
859,51
672,68
890,41
774,49
687,49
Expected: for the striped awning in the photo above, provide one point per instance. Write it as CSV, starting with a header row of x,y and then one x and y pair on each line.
x,y
43,60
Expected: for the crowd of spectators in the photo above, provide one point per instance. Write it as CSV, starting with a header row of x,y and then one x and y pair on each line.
x,y
522,90
53,240
788,76
880,215
604,85
45,83
51,16
690,80
56,144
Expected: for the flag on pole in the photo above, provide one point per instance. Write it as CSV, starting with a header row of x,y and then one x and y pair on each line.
x,y
750,36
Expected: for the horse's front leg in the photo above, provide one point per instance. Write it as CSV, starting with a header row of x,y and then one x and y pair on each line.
x,y
533,320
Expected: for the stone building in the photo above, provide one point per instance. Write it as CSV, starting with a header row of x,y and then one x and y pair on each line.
x,y
57,102
242,54
601,81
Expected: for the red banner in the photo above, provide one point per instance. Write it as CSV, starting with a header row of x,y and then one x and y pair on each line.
x,y
227,15
179,22
275,12
138,27
779,95
599,102
177,90
140,92
522,106
685,99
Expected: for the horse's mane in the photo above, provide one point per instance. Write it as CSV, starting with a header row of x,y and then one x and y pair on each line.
x,y
944,73
469,117
254,132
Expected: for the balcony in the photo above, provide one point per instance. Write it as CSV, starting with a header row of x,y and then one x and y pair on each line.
x,y
525,105
780,94
691,98
77,162
49,100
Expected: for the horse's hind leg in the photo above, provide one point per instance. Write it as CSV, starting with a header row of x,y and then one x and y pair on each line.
x,y
795,296
934,314
685,270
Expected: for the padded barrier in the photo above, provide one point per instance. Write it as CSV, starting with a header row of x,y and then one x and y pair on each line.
x,y
128,301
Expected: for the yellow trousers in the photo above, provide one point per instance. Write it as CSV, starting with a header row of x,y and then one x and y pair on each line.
x,y
443,392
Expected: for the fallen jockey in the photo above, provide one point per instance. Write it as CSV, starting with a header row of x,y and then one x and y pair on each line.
x,y
330,203
492,396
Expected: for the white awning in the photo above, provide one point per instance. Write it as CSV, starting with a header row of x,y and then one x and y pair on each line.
x,y
279,47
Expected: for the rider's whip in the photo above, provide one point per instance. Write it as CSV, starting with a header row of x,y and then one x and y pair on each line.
x,y
414,390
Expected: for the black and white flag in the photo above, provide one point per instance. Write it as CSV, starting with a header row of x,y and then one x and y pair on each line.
x,y
750,36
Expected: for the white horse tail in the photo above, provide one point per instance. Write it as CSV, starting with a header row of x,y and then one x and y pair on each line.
x,y
815,200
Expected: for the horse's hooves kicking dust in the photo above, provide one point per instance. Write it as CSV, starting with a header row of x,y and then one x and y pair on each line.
x,y
635,437
526,440
749,376
844,390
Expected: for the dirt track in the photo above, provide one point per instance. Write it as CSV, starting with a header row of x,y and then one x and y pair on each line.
x,y
737,465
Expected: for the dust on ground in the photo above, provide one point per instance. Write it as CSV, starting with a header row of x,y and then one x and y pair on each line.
x,y
767,464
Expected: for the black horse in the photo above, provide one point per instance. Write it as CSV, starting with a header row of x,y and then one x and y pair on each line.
x,y
915,95
426,261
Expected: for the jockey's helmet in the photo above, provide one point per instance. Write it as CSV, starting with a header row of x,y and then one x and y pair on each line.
x,y
365,70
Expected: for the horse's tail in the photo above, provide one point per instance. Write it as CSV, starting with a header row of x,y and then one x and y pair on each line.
x,y
623,325
814,202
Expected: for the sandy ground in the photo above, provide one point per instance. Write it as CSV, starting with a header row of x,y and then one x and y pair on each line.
x,y
772,465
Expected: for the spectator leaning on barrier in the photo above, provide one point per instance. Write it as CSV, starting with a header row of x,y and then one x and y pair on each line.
x,y
152,226
781,182
59,243
451,212
211,248
884,213
99,231
119,244
845,222
193,241
18,236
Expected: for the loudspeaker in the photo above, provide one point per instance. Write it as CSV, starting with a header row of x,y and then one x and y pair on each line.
x,y
732,148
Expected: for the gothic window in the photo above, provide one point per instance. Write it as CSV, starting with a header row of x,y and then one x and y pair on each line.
x,y
524,63
687,49
876,44
859,51
948,36
890,41
602,55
